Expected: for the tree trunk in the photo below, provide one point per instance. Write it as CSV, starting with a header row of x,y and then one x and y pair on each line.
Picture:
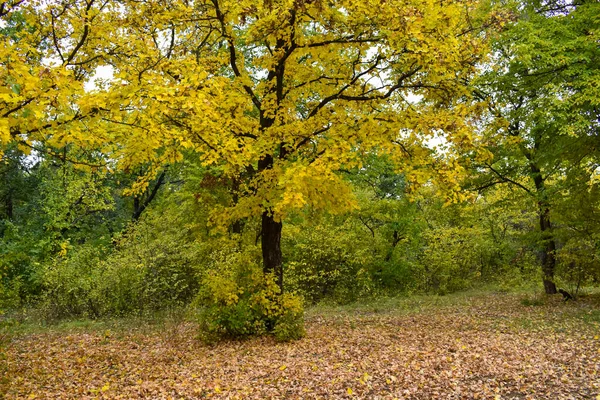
x,y
270,238
395,241
549,253
271,247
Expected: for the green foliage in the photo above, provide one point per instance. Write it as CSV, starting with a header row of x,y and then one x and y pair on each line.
x,y
9,296
237,300
48,209
451,261
155,264
465,245
329,261
71,285
579,264
543,101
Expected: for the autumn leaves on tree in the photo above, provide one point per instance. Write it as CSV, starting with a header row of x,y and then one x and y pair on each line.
x,y
280,95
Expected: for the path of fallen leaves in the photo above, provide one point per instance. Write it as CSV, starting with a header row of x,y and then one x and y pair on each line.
x,y
492,348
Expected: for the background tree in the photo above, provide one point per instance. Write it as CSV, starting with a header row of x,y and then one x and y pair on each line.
x,y
542,90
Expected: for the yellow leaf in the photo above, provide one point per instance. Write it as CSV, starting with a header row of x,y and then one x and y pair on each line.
x,y
105,387
4,131
282,368
349,391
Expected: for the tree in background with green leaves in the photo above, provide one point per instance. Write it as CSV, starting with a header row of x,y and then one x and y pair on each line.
x,y
543,93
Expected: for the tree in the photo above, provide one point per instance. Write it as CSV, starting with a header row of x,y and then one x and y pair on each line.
x,y
543,95
280,95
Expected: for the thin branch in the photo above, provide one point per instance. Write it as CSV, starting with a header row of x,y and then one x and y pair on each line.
x,y
347,39
508,180
340,96
86,32
309,137
233,54
18,107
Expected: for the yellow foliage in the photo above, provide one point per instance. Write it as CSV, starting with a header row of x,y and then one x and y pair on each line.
x,y
238,299
281,94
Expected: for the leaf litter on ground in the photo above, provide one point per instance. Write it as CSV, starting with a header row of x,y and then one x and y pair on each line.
x,y
487,347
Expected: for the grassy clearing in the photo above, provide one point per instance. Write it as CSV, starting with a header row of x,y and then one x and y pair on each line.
x,y
468,345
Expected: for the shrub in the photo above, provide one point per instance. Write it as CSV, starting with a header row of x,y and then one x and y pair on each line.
x,y
155,265
237,300
9,295
70,285
579,264
326,261
450,261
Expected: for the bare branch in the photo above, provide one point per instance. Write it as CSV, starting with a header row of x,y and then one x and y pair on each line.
x,y
508,180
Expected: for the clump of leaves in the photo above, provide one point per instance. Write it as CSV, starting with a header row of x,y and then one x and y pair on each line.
x,y
238,300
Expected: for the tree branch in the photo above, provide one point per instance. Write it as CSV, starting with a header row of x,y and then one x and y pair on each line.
x,y
233,54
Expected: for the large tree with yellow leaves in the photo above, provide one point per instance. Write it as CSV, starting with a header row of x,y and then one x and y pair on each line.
x,y
280,94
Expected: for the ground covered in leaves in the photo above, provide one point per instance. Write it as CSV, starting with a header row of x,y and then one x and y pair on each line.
x,y
488,346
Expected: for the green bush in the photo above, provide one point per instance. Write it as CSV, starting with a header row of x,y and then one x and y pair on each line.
x,y
71,285
9,295
237,300
578,264
326,261
155,265
451,261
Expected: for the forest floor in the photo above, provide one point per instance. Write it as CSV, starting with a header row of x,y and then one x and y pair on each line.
x,y
470,346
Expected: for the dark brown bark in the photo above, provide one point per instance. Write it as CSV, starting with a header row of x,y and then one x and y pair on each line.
x,y
395,241
141,202
549,243
549,251
270,238
237,227
271,247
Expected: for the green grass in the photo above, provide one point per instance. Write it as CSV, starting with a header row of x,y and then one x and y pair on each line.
x,y
23,323
409,304
530,306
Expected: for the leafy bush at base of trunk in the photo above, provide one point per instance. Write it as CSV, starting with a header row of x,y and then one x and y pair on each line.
x,y
237,300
